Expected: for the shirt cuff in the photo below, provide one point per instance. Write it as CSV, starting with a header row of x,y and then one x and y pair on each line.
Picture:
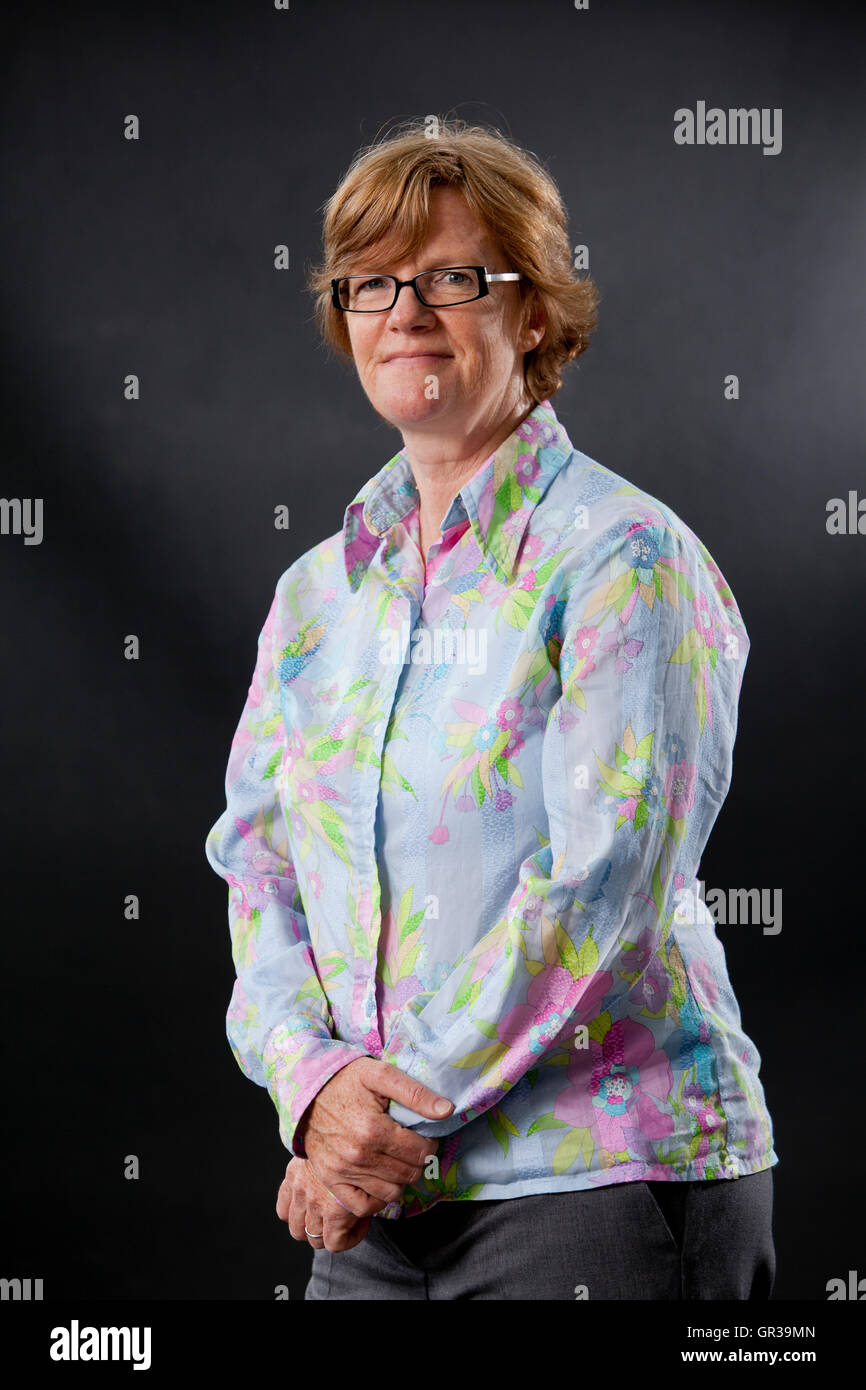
x,y
297,1066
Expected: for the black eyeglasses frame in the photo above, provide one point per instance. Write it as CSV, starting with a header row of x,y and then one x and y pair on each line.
x,y
485,279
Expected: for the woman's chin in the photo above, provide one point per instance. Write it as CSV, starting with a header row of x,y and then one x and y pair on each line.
x,y
410,408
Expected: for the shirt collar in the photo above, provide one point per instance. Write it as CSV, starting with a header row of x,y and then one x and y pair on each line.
x,y
498,500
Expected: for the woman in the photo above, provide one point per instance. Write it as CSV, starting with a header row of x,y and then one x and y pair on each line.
x,y
488,733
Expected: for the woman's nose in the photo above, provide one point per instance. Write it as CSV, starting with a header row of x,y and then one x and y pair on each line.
x,y
408,308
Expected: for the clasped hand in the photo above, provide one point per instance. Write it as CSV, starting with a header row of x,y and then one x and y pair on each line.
x,y
356,1153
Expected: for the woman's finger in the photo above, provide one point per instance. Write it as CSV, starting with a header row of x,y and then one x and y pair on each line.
x,y
378,1188
284,1196
356,1201
357,1234
297,1214
314,1225
340,1236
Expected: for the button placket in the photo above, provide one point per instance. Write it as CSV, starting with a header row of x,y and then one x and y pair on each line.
x,y
366,793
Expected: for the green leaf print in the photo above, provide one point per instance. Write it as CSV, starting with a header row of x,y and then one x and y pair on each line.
x,y
498,1132
572,1146
548,1121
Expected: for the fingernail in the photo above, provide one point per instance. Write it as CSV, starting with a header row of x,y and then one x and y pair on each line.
x,y
442,1107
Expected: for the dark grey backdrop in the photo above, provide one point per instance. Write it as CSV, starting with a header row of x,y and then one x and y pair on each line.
x,y
155,257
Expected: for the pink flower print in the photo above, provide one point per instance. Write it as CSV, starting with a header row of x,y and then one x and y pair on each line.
x,y
510,712
364,908
373,1043
509,716
391,618
531,548
653,987
680,788
528,430
268,628
514,744
485,962
315,882
274,880
272,890
594,988
584,645
528,581
240,1008
258,854
643,952
527,469
483,741
707,1119
615,1085
293,749
703,983
547,995
703,619
239,898
256,693
696,1102
531,907
531,1027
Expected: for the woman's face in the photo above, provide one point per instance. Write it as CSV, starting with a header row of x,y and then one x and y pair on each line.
x,y
474,352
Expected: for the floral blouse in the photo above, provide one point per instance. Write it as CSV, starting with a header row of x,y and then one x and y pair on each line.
x,y
466,805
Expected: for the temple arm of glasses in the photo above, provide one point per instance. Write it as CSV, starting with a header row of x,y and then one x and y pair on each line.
x,y
505,275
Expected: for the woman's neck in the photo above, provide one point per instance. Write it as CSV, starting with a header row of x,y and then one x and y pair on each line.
x,y
440,468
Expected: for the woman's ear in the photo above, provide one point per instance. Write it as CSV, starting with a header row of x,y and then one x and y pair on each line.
x,y
534,322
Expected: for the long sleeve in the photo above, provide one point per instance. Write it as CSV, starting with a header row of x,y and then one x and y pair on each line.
x,y
279,1024
636,760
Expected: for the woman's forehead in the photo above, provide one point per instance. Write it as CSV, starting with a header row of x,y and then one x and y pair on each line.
x,y
469,245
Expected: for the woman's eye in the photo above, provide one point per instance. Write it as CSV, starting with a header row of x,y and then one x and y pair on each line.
x,y
448,277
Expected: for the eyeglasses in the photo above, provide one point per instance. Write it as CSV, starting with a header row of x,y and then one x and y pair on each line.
x,y
437,289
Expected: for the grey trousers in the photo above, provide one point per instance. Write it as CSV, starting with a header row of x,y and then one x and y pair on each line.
x,y
635,1240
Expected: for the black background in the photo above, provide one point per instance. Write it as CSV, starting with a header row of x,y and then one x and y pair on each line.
x,y
156,257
